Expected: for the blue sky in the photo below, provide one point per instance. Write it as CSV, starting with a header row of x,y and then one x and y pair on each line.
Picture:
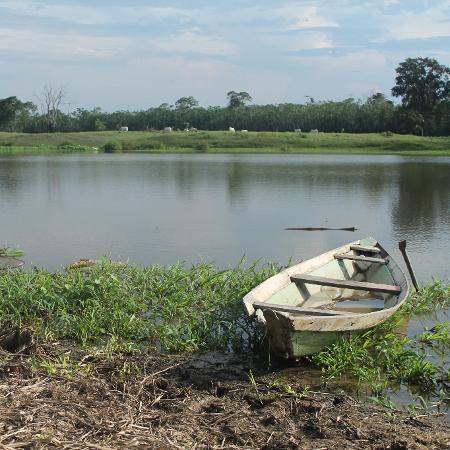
x,y
135,54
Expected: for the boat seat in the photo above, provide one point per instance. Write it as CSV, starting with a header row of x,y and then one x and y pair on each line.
x,y
365,249
298,309
349,284
361,258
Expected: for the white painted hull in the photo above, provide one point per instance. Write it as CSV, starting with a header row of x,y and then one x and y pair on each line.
x,y
302,328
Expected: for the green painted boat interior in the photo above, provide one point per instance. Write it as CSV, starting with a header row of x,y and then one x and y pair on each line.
x,y
307,295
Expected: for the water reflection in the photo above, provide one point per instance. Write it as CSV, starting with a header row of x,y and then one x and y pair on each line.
x,y
153,208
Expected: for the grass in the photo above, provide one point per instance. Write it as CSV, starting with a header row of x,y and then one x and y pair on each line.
x,y
173,309
224,142
9,252
382,357
179,309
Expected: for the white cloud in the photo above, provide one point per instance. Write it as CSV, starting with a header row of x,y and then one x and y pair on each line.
x,y
351,62
300,17
305,40
59,46
310,40
67,47
95,15
430,23
193,41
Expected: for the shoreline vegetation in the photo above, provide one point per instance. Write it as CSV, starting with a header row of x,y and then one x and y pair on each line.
x,y
216,142
108,354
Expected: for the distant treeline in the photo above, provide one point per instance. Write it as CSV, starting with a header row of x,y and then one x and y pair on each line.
x,y
374,115
421,83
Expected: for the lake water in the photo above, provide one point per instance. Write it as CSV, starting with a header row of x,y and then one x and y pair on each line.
x,y
165,208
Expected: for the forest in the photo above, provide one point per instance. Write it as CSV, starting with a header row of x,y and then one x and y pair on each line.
x,y
422,85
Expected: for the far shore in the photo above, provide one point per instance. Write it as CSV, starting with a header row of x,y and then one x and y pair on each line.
x,y
213,142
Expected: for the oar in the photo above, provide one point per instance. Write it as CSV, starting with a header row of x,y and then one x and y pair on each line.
x,y
322,229
402,247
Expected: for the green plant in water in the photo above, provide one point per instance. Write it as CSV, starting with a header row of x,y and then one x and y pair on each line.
x,y
439,334
10,252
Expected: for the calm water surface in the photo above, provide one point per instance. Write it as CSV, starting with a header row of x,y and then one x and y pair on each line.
x,y
161,209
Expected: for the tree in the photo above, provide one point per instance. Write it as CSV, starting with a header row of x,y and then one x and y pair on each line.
x,y
409,121
51,99
422,83
186,103
236,99
378,99
11,108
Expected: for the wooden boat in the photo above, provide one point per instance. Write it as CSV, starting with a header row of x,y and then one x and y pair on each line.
x,y
311,304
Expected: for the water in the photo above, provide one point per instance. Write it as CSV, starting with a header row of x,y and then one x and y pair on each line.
x,y
165,208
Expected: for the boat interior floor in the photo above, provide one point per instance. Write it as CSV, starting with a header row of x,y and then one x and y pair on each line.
x,y
359,302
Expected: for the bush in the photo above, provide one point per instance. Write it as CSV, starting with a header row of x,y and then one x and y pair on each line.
x,y
202,147
112,147
68,147
152,145
6,144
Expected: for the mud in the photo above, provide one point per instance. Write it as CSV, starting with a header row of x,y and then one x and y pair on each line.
x,y
64,397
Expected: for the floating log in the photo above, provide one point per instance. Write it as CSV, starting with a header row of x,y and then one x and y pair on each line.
x,y
320,229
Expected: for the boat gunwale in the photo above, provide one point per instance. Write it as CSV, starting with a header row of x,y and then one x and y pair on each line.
x,y
267,288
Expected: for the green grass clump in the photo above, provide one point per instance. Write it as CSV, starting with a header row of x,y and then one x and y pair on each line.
x,y
69,147
430,297
9,252
112,147
381,356
172,308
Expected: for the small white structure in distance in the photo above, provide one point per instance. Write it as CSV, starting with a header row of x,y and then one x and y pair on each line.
x,y
167,129
231,129
297,130
244,131
123,129
314,131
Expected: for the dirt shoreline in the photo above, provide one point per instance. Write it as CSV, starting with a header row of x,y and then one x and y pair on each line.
x,y
62,397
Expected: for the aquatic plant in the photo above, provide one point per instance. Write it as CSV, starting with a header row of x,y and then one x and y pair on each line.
x,y
9,252
381,356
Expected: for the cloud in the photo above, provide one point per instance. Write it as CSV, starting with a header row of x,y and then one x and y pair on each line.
x,y
193,41
426,24
53,46
96,15
301,17
69,47
353,62
305,40
353,74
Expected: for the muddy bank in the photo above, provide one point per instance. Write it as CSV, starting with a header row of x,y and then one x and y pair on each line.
x,y
61,397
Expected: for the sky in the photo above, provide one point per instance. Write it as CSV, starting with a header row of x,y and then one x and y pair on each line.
x,y
136,54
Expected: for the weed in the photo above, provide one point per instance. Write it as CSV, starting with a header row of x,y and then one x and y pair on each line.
x,y
112,147
171,308
202,147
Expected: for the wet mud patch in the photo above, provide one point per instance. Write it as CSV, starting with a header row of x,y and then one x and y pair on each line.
x,y
65,397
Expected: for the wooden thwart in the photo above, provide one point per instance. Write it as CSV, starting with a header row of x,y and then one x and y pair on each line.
x,y
298,309
365,249
360,258
358,285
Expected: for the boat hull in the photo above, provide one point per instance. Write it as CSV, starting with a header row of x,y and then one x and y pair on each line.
x,y
288,343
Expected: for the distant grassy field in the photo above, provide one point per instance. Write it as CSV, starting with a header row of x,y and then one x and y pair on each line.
x,y
225,142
